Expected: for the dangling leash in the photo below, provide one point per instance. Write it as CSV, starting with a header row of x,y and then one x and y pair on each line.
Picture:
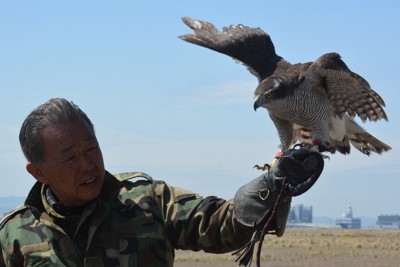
x,y
265,231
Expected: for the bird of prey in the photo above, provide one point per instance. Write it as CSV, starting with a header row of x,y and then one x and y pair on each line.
x,y
314,103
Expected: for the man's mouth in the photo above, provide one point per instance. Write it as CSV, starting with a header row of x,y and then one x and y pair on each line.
x,y
93,179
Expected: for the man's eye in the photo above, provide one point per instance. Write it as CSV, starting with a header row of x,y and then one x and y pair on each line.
x,y
92,149
69,159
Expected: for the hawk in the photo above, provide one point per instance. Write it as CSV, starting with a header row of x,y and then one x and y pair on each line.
x,y
314,102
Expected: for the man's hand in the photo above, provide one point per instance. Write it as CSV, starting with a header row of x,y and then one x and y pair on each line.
x,y
300,168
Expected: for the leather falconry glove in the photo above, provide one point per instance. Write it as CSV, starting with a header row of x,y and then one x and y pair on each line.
x,y
266,199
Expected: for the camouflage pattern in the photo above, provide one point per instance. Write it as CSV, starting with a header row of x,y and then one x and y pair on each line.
x,y
135,222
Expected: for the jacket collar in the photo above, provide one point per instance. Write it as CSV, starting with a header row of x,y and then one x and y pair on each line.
x,y
38,200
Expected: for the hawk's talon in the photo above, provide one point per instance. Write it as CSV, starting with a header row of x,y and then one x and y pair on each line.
x,y
269,166
323,146
263,168
316,148
325,156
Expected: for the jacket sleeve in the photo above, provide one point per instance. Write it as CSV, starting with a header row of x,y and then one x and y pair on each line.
x,y
2,263
198,223
6,246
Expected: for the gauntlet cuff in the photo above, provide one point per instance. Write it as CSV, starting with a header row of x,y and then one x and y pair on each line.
x,y
255,201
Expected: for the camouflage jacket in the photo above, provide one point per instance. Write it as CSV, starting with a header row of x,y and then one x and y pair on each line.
x,y
135,222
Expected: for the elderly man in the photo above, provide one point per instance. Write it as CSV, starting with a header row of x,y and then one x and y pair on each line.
x,y
78,214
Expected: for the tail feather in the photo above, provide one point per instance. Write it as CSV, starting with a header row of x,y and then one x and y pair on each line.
x,y
367,143
364,141
355,135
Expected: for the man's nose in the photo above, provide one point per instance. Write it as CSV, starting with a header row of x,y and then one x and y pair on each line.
x,y
85,163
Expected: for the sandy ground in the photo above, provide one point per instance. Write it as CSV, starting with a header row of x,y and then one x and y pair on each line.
x,y
314,247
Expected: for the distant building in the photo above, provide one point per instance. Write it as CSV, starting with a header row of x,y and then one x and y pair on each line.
x,y
348,221
388,221
300,214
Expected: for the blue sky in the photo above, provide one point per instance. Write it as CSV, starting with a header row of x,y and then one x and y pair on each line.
x,y
182,113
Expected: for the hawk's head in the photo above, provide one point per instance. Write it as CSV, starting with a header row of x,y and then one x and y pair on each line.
x,y
272,91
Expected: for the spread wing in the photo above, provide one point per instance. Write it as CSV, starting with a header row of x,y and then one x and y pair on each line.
x,y
251,46
347,91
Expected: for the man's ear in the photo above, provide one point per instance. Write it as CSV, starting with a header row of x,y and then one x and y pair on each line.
x,y
36,171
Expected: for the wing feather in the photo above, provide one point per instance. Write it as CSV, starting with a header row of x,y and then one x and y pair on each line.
x,y
348,92
251,46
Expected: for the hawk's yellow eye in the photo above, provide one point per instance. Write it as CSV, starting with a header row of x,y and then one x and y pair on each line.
x,y
269,95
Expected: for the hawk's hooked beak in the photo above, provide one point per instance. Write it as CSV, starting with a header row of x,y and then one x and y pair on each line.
x,y
256,102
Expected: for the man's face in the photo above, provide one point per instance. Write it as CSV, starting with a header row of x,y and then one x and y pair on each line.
x,y
72,163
